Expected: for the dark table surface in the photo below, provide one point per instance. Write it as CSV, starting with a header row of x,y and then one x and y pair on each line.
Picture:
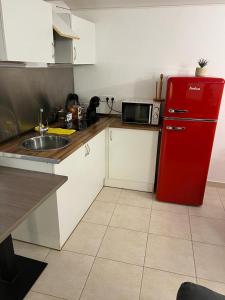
x,y
21,192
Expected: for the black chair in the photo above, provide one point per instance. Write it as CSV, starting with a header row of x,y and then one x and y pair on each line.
x,y
192,291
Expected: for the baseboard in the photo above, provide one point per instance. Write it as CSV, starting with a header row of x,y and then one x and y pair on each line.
x,y
216,184
130,185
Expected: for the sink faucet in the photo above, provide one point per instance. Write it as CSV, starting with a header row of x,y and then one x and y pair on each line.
x,y
42,128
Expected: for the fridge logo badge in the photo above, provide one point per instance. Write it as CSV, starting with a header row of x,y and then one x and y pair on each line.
x,y
194,88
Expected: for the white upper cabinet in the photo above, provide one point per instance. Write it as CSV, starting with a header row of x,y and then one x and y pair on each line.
x,y
26,32
84,48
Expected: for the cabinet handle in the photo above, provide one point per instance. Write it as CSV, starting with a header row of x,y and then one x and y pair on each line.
x,y
75,53
177,111
89,149
53,50
86,151
110,135
175,128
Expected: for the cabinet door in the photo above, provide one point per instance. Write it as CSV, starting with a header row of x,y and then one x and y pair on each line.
x,y
84,48
132,158
96,164
72,198
184,161
85,169
28,32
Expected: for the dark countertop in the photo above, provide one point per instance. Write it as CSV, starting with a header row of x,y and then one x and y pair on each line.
x,y
13,147
21,192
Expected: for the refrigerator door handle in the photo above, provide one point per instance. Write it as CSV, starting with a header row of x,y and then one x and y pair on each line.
x,y
179,111
175,128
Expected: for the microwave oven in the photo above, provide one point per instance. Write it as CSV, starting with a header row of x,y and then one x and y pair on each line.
x,y
141,112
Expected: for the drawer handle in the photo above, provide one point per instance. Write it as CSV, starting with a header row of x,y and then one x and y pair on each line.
x,y
175,128
178,111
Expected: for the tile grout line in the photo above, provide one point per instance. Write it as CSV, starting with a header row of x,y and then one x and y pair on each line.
x,y
98,249
153,210
49,250
146,246
123,204
167,211
158,234
152,268
211,280
218,193
56,297
192,246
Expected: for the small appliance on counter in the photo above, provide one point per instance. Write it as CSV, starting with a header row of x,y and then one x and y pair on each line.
x,y
75,113
91,114
141,112
189,124
76,116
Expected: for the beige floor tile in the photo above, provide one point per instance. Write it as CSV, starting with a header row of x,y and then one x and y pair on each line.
x,y
223,202
99,213
30,250
170,207
170,224
86,238
160,285
212,285
38,296
113,281
211,190
211,197
210,261
221,191
65,275
109,194
124,245
207,211
213,202
170,254
131,217
134,198
208,230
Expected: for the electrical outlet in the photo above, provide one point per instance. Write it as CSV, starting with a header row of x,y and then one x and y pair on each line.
x,y
109,97
104,107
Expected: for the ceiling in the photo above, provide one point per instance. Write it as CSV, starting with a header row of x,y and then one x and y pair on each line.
x,y
85,4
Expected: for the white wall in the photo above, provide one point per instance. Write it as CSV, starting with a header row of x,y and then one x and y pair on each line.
x,y
135,45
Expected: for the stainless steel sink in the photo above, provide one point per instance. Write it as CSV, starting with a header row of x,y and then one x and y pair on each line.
x,y
45,142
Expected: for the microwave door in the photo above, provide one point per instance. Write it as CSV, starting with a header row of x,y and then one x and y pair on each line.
x,y
137,113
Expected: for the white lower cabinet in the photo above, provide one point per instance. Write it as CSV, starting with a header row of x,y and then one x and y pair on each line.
x,y
132,158
124,158
85,169
53,222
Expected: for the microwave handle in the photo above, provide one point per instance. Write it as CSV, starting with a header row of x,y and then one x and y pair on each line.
x,y
150,114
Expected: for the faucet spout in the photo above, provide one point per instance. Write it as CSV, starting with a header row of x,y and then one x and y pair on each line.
x,y
42,129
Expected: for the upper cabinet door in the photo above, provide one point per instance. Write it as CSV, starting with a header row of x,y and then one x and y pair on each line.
x,y
26,31
84,48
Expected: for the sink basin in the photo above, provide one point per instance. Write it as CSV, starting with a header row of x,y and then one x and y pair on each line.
x,y
46,142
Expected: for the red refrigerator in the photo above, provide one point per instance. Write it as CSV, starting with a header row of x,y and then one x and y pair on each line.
x,y
189,123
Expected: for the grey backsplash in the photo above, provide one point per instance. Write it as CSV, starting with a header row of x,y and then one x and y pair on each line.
x,y
23,91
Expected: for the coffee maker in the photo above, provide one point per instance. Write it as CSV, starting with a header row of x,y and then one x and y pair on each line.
x,y
91,114
78,112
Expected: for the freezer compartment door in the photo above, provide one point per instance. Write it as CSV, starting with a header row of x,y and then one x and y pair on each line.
x,y
193,97
184,161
